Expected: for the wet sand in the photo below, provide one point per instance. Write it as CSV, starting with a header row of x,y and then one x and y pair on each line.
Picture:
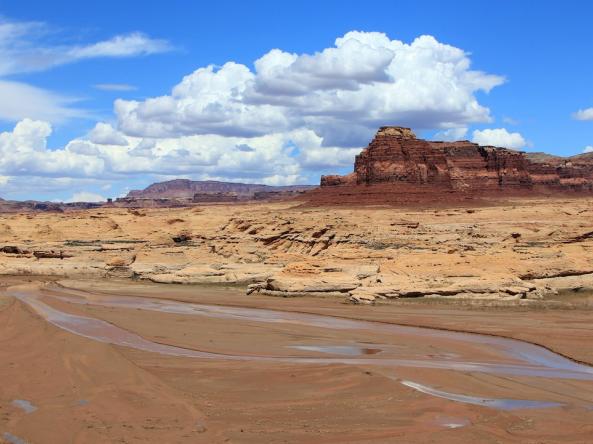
x,y
211,372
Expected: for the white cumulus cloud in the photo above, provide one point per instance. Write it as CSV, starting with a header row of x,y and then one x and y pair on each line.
x,y
499,137
105,134
583,114
284,121
588,149
364,81
23,151
107,154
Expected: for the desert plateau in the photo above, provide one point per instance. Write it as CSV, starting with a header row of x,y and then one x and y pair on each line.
x,y
411,301
334,222
411,324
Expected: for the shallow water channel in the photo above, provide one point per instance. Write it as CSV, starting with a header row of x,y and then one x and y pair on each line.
x,y
456,350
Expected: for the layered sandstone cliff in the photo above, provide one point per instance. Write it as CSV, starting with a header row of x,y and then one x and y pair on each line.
x,y
395,156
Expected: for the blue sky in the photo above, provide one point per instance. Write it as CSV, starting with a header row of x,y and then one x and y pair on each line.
x,y
535,64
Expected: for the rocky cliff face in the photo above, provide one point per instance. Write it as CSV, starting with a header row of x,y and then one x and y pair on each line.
x,y
395,156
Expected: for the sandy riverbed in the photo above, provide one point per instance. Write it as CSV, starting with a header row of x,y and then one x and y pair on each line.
x,y
84,390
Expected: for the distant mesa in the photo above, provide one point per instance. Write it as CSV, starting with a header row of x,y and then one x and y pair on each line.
x,y
13,206
190,191
170,194
398,163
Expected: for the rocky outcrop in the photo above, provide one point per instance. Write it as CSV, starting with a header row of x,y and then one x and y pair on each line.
x,y
396,157
571,173
520,250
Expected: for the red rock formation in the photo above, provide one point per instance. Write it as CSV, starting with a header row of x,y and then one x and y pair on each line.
x,y
571,173
397,160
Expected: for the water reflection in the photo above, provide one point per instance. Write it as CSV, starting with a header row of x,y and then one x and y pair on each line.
x,y
500,404
347,350
516,357
24,405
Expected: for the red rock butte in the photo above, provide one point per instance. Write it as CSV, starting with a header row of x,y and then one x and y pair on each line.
x,y
398,167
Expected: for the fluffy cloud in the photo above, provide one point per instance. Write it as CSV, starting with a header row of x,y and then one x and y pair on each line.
x,y
364,81
588,149
106,154
105,134
583,114
285,121
23,151
499,137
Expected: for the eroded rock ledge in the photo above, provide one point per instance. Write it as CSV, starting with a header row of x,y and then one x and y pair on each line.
x,y
522,249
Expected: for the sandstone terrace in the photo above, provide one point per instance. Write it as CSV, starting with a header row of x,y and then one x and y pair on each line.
x,y
518,250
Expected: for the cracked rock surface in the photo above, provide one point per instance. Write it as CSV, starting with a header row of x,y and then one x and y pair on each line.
x,y
511,250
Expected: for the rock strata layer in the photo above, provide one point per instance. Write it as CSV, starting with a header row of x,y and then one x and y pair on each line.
x,y
517,250
399,162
